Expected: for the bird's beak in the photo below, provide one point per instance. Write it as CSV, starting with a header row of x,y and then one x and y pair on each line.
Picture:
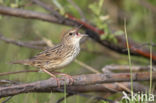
x,y
83,35
79,34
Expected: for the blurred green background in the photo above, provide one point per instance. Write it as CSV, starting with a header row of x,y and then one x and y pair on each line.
x,y
105,14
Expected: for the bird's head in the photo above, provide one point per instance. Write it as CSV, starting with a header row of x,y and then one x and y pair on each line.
x,y
73,37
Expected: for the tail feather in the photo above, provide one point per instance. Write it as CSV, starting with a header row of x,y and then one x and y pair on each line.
x,y
24,62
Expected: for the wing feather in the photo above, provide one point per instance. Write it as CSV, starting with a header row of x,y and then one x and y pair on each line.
x,y
49,54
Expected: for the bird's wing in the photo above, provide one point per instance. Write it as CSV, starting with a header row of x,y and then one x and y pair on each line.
x,y
49,54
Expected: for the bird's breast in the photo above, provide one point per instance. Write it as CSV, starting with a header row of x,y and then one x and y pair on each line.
x,y
70,57
66,57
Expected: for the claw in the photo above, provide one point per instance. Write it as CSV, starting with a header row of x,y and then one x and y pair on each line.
x,y
71,80
58,82
53,76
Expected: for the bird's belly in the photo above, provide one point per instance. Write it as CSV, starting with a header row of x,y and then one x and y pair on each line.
x,y
69,59
59,64
65,62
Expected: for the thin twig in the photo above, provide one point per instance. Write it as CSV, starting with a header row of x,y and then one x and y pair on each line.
x,y
86,66
49,8
71,93
92,70
21,43
125,68
124,87
7,99
16,72
27,14
61,99
121,85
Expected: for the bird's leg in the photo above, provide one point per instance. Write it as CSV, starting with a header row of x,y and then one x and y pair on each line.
x,y
52,75
71,80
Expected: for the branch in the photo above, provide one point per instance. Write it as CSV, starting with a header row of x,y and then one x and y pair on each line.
x,y
27,14
79,80
108,87
86,66
7,99
60,90
16,72
49,8
90,30
125,68
30,44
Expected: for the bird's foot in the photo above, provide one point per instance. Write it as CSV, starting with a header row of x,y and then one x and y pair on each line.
x,y
71,80
53,76
58,82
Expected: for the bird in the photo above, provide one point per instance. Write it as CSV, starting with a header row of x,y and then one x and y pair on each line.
x,y
57,57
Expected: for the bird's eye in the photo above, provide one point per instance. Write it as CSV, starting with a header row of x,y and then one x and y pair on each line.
x,y
70,33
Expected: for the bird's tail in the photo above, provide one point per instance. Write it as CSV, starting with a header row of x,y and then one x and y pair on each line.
x,y
24,62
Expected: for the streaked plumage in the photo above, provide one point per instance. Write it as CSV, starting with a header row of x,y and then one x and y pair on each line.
x,y
59,55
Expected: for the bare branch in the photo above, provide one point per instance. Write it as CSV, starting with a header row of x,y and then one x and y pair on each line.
x,y
125,68
26,14
61,99
35,15
7,99
87,96
79,80
86,66
30,44
49,8
108,87
16,72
